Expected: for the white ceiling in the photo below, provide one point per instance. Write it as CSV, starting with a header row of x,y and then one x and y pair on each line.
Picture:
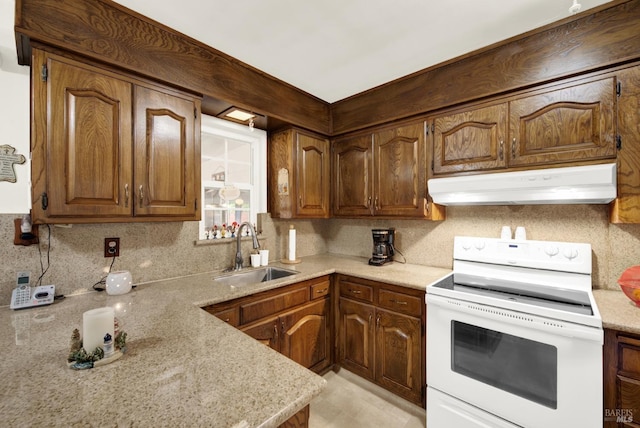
x,y
337,48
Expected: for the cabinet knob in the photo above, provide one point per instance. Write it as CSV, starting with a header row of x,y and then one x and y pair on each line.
x,y
126,195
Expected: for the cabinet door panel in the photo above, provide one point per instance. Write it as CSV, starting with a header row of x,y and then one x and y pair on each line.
x,y
470,140
400,179
353,176
165,155
398,356
356,348
89,144
265,332
306,335
313,170
570,124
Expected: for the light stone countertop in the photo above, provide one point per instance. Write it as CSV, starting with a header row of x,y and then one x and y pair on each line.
x,y
617,311
183,367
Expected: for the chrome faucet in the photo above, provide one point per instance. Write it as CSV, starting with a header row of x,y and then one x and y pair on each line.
x,y
256,244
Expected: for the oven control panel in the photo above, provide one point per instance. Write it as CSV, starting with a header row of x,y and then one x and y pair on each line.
x,y
561,256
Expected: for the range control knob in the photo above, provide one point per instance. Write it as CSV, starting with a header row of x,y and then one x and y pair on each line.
x,y
466,245
551,250
570,253
479,245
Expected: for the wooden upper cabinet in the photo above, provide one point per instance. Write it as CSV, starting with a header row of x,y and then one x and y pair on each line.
x,y
84,144
383,174
353,176
299,174
165,154
470,140
313,172
108,148
565,125
400,171
572,124
626,207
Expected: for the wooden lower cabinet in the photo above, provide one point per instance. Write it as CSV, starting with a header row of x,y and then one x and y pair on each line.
x,y
356,341
294,320
382,345
621,379
378,328
302,334
398,357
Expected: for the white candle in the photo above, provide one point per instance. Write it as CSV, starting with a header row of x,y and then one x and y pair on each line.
x,y
95,324
292,243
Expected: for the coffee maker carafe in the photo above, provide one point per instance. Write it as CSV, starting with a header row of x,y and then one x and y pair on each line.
x,y
382,246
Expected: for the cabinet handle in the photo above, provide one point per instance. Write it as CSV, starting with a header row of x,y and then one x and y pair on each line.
x,y
355,291
369,202
141,196
377,207
282,327
126,195
226,320
370,316
398,302
501,150
378,321
513,148
324,290
300,201
275,330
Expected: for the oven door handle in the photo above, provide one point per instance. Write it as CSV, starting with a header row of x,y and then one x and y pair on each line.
x,y
522,320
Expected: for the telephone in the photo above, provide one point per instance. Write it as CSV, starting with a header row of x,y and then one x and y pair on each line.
x,y
24,296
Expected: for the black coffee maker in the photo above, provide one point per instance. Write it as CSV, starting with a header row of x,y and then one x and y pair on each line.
x,y
382,246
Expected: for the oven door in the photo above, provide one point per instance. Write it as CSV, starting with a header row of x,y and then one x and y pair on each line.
x,y
526,369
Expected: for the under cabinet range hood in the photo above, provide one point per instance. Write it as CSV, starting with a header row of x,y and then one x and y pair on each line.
x,y
590,184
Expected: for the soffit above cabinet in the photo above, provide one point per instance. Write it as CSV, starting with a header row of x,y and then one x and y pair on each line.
x,y
334,49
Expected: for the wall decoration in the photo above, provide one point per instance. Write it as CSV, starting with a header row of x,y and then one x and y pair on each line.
x,y
8,158
283,181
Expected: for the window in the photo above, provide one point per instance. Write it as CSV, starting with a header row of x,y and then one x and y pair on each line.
x,y
234,173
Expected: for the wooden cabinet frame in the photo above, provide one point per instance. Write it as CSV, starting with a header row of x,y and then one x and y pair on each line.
x,y
110,148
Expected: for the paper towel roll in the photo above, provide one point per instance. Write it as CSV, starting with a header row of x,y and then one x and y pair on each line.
x,y
95,324
292,243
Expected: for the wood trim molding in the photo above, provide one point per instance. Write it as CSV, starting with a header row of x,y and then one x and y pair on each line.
x,y
107,32
596,40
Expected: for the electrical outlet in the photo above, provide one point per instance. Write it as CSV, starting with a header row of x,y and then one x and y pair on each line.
x,y
111,247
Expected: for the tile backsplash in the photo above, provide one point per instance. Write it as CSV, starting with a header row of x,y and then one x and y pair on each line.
x,y
153,251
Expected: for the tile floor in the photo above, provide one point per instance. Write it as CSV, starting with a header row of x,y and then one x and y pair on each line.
x,y
350,401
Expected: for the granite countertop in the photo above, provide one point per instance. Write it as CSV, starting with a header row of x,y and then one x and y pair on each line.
x,y
183,367
617,311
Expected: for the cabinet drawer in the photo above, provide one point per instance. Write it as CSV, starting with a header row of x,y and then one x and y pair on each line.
x,y
629,349
320,289
270,305
357,291
230,316
630,398
400,302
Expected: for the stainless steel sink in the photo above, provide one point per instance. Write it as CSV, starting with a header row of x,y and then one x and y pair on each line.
x,y
253,276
